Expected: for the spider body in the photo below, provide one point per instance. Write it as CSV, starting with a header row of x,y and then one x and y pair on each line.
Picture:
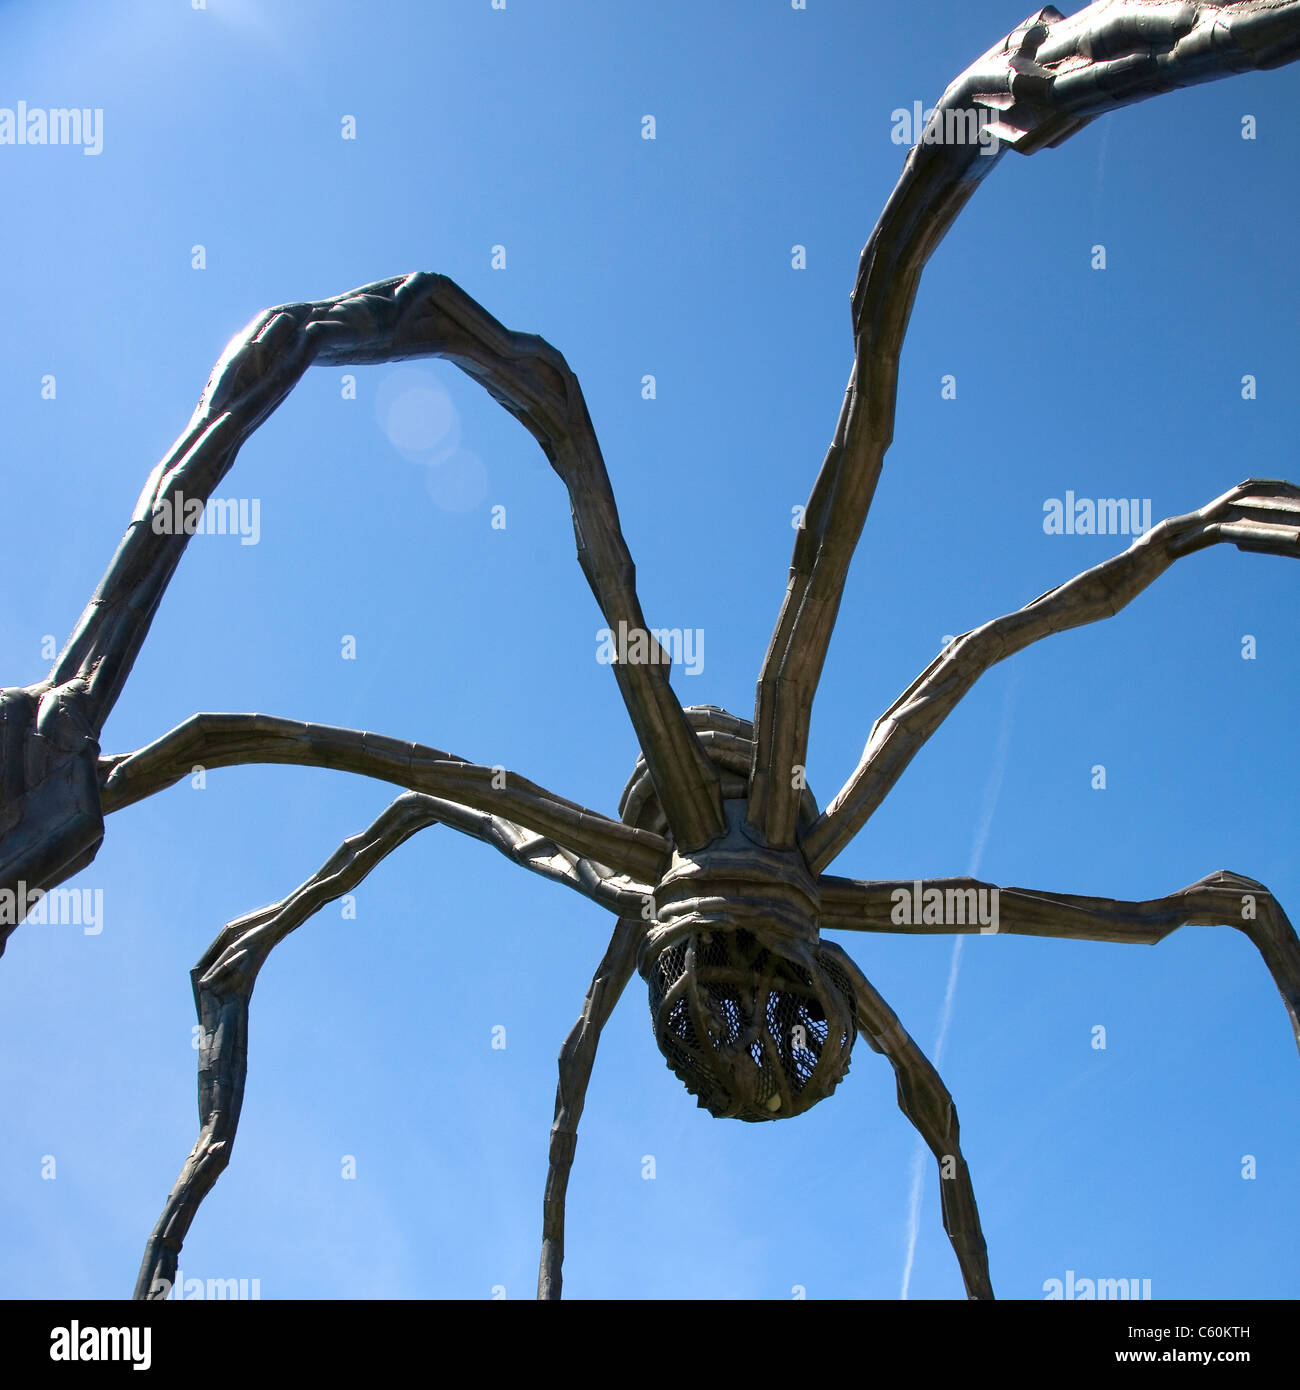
x,y
749,1010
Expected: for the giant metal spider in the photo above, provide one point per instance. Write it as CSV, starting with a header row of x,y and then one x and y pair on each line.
x,y
716,869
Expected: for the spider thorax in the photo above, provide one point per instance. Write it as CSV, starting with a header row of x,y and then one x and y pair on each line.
x,y
750,1011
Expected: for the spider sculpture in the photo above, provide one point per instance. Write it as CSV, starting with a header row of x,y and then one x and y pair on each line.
x,y
716,868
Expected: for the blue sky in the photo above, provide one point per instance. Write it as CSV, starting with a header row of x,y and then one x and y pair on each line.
x,y
477,128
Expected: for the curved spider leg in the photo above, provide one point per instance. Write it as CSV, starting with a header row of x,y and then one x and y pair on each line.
x,y
229,740
418,315
928,1104
1258,515
540,854
51,822
532,380
225,975
577,1057
1222,899
1043,82
223,983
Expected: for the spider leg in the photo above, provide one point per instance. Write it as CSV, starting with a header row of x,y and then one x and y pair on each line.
x,y
1043,82
229,740
1219,899
928,1104
1259,515
223,986
225,975
223,1067
577,1057
408,316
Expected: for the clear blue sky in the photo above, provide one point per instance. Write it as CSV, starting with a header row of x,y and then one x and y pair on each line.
x,y
372,1037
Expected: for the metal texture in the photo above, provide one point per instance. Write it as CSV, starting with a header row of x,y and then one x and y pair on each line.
x,y
715,871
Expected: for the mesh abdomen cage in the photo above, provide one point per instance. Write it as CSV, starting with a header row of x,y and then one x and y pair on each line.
x,y
753,1016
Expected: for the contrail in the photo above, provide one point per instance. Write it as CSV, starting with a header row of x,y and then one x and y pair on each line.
x,y
992,791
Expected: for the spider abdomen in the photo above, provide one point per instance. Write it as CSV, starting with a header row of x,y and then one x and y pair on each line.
x,y
750,1012
752,1031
